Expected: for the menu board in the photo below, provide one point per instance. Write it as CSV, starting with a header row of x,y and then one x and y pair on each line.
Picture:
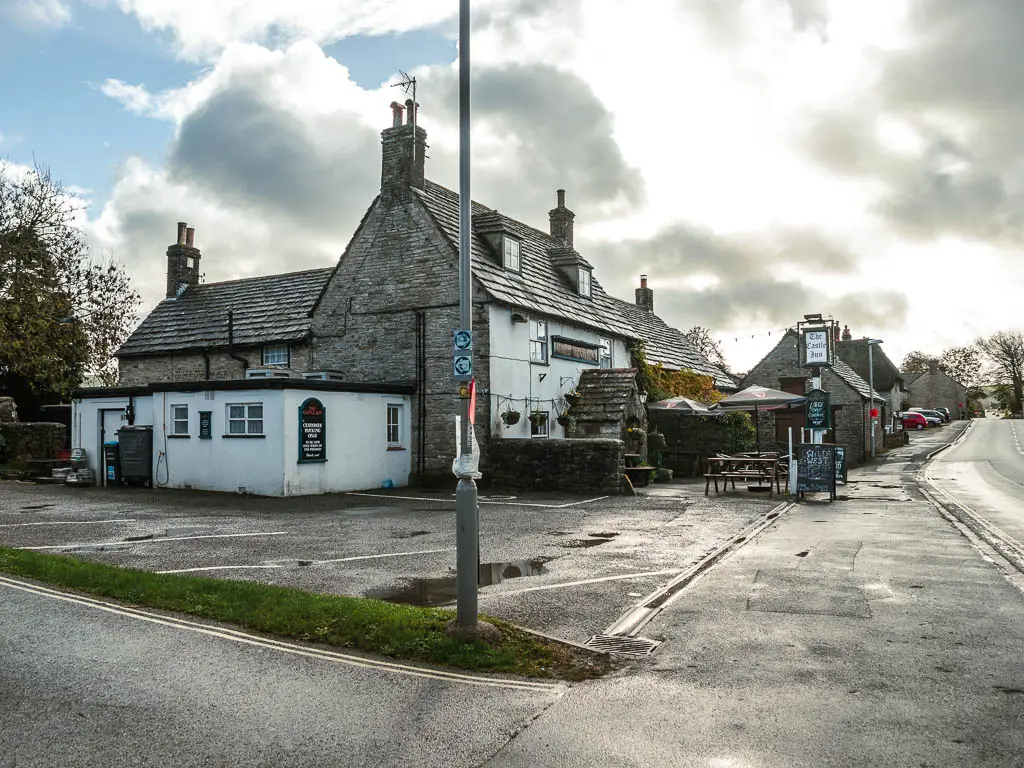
x,y
816,468
206,425
841,464
817,410
312,431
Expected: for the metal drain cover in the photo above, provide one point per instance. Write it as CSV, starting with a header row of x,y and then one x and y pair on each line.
x,y
624,646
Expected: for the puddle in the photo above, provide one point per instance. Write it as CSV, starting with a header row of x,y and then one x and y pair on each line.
x,y
410,534
443,590
805,553
35,506
595,540
141,537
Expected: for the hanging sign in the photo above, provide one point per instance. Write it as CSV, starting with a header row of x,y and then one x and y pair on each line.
x,y
816,348
312,431
817,410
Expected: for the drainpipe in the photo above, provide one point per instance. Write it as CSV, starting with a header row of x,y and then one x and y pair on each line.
x,y
231,342
206,364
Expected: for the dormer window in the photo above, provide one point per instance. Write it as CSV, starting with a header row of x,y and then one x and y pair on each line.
x,y
511,248
583,281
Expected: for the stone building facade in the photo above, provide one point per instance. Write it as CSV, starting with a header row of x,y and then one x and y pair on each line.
x,y
387,312
851,401
935,389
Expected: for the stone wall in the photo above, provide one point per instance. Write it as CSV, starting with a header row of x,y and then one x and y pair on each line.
x,y
398,275
137,371
573,466
937,390
30,440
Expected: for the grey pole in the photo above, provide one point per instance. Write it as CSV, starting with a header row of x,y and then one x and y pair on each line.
x,y
871,386
466,509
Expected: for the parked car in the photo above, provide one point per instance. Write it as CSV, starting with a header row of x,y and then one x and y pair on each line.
x,y
930,413
913,420
945,413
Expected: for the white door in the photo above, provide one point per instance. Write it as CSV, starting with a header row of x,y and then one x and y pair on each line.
x,y
110,421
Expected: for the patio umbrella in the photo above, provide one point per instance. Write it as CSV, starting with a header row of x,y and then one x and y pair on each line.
x,y
682,405
756,399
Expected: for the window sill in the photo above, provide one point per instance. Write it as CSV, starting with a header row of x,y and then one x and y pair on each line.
x,y
540,362
244,437
395,448
178,437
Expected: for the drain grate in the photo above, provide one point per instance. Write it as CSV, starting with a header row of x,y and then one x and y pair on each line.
x,y
624,646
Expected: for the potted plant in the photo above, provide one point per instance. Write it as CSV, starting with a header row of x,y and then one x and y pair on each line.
x,y
510,417
572,397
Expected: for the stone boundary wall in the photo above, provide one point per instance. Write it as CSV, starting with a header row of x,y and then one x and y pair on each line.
x,y
24,440
573,466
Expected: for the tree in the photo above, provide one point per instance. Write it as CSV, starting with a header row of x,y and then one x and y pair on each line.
x,y
1004,351
701,339
63,314
915,362
962,364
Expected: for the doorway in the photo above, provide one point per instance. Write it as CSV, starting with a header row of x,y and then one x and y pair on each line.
x,y
111,420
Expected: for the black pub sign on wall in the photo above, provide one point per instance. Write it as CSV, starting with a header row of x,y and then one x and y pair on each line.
x,y
312,431
818,412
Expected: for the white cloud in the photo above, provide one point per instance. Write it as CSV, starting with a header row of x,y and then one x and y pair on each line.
x,y
36,14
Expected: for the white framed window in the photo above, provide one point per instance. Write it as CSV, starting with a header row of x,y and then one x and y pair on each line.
x,y
539,421
245,419
179,419
538,341
395,413
584,282
511,248
605,354
276,354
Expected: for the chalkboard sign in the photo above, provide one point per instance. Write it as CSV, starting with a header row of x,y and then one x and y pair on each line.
x,y
206,425
841,464
819,414
312,431
816,468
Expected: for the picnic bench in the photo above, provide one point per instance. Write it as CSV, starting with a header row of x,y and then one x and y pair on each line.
x,y
763,467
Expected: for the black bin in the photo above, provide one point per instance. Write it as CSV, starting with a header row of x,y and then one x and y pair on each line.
x,y
111,463
136,454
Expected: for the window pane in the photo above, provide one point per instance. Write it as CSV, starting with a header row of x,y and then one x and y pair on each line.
x,y
256,427
236,411
236,427
255,411
275,354
180,411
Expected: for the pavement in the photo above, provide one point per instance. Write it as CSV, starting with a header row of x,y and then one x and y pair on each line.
x,y
864,632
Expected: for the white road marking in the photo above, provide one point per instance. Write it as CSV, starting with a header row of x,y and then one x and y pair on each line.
x,y
279,645
452,500
621,577
158,541
70,522
312,562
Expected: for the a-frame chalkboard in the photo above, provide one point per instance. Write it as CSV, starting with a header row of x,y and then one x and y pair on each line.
x,y
816,468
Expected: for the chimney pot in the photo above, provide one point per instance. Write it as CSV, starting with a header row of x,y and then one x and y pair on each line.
x,y
190,236
644,295
182,226
561,198
643,281
410,110
396,114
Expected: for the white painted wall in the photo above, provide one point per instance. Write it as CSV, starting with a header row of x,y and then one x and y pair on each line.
x,y
357,448
513,375
358,457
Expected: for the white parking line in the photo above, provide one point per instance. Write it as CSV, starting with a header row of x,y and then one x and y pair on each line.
x,y
279,645
70,522
505,503
161,540
621,577
312,562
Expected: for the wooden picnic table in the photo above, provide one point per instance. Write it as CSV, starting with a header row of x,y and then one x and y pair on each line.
x,y
744,468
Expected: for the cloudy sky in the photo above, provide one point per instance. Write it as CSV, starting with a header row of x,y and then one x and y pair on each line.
x,y
758,159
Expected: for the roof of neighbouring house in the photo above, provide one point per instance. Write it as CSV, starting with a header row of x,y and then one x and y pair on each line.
x,y
266,310
539,287
851,377
910,378
854,352
604,394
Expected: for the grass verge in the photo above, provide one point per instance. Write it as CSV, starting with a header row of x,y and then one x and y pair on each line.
x,y
399,631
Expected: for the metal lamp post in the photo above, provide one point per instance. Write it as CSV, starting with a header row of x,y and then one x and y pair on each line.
x,y
871,386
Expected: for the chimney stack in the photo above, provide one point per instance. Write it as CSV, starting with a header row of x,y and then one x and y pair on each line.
x,y
403,153
644,295
847,336
561,219
182,262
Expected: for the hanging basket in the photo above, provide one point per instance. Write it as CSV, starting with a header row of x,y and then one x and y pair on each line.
x,y
510,417
538,417
572,398
564,420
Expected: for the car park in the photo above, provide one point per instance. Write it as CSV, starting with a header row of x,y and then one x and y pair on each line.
x,y
913,420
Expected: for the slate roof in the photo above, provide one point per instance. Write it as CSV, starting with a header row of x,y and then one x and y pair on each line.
x,y
604,394
540,287
910,378
267,310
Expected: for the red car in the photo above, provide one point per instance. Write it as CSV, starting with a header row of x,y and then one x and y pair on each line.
x,y
912,420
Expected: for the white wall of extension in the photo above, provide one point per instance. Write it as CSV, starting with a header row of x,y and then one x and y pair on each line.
x,y
535,386
359,453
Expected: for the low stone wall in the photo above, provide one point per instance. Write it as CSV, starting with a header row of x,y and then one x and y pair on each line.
x,y
573,466
24,440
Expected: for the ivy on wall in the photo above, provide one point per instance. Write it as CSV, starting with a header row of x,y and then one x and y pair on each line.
x,y
661,384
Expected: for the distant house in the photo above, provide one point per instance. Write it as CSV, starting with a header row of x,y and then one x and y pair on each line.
x,y
878,369
851,400
937,389
385,315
